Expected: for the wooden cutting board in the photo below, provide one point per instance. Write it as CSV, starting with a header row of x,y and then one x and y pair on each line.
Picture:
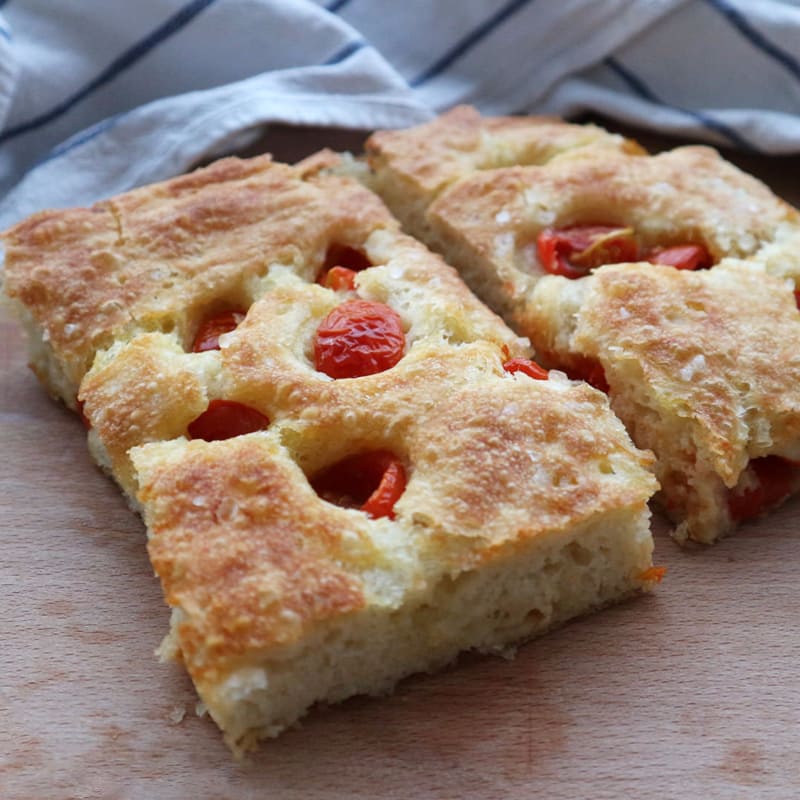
x,y
691,692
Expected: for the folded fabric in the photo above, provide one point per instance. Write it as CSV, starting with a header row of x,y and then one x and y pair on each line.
x,y
97,97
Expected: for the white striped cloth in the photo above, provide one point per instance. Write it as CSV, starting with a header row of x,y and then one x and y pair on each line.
x,y
98,96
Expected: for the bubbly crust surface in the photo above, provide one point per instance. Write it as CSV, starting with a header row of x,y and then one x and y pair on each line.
x,y
461,141
683,196
703,368
236,523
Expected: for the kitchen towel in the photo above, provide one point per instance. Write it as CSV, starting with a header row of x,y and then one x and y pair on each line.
x,y
98,96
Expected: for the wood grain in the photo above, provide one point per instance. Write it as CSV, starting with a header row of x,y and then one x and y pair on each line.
x,y
692,692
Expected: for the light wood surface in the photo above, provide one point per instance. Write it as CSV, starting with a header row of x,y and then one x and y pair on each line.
x,y
693,692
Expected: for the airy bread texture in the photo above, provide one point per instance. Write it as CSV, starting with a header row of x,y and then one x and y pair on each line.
x,y
486,215
525,502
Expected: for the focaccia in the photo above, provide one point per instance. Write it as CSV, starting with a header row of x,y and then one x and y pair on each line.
x,y
667,358
349,468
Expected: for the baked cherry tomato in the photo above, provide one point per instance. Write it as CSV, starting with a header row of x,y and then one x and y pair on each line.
x,y
682,256
340,279
575,250
207,336
84,419
359,337
224,419
797,297
583,368
526,366
653,574
372,482
771,483
341,264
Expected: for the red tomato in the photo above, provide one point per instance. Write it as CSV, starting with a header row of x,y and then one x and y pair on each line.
x,y
797,297
575,250
340,279
345,259
526,366
82,415
583,368
682,256
207,336
372,482
772,484
359,337
224,419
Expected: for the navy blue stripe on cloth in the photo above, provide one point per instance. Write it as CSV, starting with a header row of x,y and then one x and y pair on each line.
x,y
640,88
101,127
174,24
336,5
345,53
468,42
81,138
755,37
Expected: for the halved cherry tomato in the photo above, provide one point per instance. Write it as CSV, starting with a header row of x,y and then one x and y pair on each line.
x,y
575,250
583,368
797,297
84,419
653,574
207,336
526,366
682,256
344,261
224,419
372,482
772,480
340,279
359,337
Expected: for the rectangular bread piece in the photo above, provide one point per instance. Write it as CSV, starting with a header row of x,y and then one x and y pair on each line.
x,y
321,533
710,386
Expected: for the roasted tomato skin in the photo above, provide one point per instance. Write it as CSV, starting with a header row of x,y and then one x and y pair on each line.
x,y
583,368
207,336
682,256
358,338
575,250
371,482
224,419
772,480
527,367
340,279
344,261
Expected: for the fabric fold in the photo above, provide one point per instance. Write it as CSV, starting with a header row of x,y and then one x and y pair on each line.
x,y
96,98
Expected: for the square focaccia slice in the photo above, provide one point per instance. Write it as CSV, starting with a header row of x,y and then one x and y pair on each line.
x,y
411,168
703,367
336,447
382,524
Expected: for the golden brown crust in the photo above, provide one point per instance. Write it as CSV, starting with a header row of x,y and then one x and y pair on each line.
x,y
671,198
158,257
703,368
495,462
242,548
461,141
